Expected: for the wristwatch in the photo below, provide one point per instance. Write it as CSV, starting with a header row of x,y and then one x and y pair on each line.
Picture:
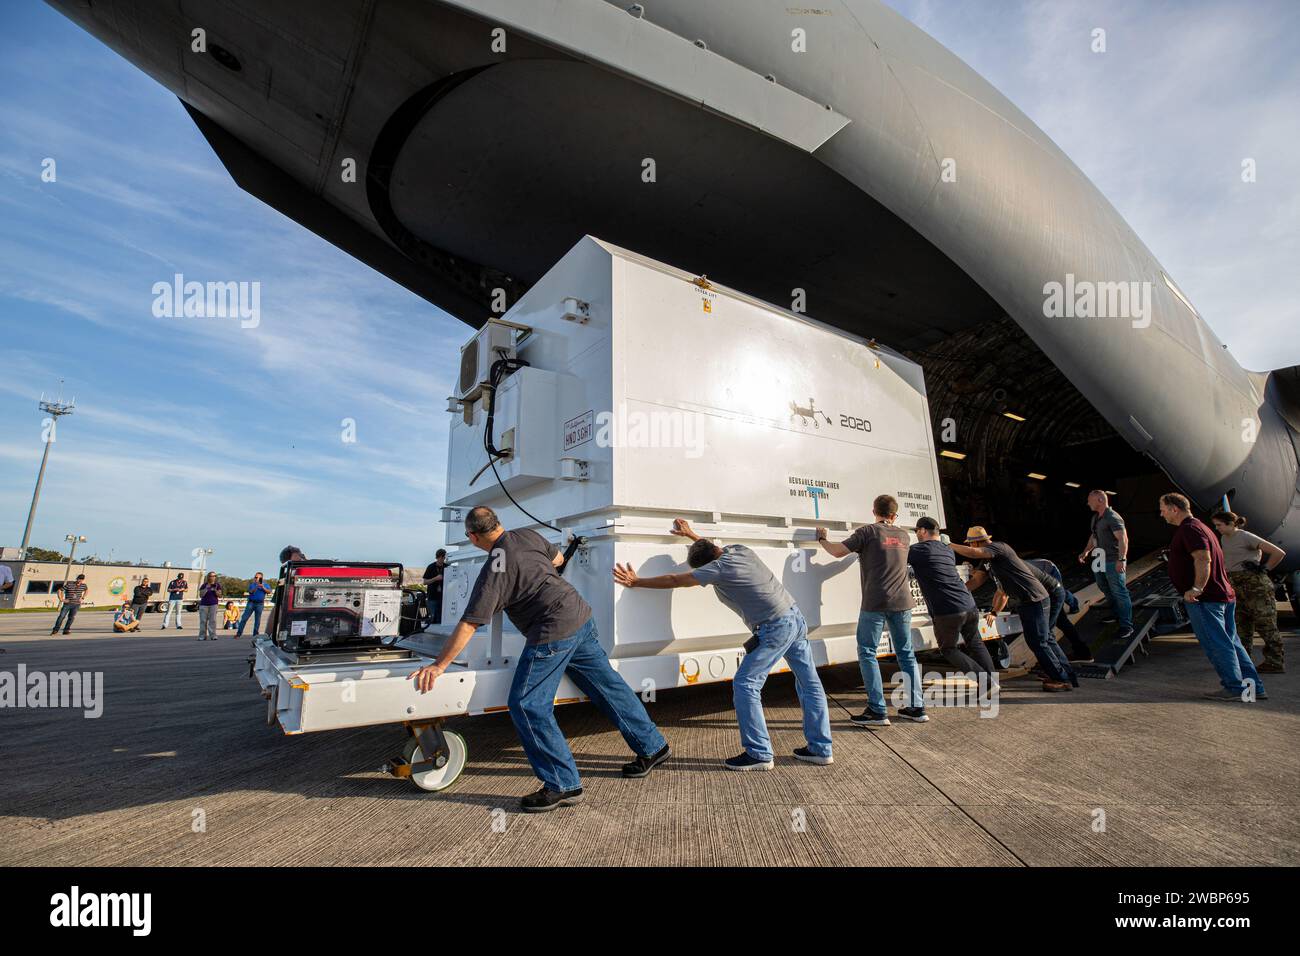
x,y
1196,590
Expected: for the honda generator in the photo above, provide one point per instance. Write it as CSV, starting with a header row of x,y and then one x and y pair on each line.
x,y
337,606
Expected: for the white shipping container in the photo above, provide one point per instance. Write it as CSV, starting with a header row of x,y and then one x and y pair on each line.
x,y
649,394
674,397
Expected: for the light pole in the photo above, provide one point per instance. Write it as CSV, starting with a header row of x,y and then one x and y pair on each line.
x,y
55,410
203,561
75,539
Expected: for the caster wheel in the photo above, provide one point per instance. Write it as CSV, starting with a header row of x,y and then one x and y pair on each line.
x,y
444,777
1000,653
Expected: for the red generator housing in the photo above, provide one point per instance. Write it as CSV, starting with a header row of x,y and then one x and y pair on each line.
x,y
337,606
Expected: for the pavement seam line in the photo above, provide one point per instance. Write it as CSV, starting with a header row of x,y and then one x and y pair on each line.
x,y
937,789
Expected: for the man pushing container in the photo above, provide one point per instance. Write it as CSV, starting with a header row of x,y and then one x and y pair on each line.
x,y
521,578
746,585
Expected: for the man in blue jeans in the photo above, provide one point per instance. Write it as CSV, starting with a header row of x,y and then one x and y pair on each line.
x,y
886,600
747,586
1197,570
1110,568
521,577
257,592
73,595
1060,599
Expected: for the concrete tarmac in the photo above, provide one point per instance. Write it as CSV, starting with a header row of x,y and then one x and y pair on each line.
x,y
181,769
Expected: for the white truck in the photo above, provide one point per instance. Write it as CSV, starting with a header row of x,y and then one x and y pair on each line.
x,y
647,394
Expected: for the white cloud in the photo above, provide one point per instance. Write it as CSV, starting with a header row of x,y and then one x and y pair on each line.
x,y
1160,123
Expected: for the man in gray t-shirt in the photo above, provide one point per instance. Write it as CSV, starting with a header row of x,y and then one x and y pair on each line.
x,y
882,548
882,552
1110,568
747,586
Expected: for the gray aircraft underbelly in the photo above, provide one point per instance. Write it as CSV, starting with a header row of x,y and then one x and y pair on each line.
x,y
878,173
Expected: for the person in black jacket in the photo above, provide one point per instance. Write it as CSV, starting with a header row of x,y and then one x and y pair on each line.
x,y
288,553
140,598
433,578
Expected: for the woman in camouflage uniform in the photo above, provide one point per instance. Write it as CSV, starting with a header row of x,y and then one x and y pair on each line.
x,y
1249,558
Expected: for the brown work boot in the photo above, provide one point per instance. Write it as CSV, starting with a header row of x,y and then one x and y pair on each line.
x,y
1055,686
1271,667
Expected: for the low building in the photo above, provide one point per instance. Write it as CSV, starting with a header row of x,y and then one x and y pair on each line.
x,y
38,583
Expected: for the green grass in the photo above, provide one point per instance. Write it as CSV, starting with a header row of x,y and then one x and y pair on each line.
x,y
55,610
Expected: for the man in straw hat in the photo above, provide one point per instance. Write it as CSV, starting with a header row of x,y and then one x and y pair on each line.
x,y
1014,578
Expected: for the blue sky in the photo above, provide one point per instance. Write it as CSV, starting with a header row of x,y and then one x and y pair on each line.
x,y
199,433
194,432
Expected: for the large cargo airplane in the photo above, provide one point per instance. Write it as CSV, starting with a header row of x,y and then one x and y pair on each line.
x,y
833,157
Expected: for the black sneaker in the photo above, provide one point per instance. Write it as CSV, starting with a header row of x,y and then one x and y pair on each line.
x,y
1124,634
1078,657
545,800
745,762
916,714
642,766
870,718
807,756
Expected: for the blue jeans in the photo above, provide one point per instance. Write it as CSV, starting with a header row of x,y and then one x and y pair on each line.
x,y
1055,601
532,704
255,609
1038,635
66,615
785,636
1114,586
871,624
1215,628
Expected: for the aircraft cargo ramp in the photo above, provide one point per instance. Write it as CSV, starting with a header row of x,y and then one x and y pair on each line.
x,y
1157,609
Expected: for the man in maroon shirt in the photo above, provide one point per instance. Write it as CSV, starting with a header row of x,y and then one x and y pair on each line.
x,y
1197,571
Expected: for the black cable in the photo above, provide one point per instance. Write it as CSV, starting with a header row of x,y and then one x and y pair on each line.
x,y
498,371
